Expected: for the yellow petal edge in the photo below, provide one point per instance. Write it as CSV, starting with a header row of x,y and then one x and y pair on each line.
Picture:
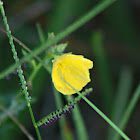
x,y
72,68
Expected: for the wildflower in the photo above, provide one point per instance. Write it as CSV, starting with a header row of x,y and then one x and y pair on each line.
x,y
72,68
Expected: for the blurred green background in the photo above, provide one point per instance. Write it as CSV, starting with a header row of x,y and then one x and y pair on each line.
x,y
110,40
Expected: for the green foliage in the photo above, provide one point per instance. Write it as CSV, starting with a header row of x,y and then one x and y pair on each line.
x,y
103,70
119,105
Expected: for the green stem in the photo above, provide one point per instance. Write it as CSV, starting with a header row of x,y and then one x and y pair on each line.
x,y
129,110
26,48
101,114
96,10
40,33
34,122
105,78
34,72
105,118
19,70
121,99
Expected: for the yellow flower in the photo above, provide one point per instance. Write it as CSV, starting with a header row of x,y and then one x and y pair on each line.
x,y
72,68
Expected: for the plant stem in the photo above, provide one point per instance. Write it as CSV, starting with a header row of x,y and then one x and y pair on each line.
x,y
26,48
33,74
19,69
130,108
40,33
34,122
121,99
105,78
92,13
101,114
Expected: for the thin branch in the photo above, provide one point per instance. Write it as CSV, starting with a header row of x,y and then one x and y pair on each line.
x,y
23,129
25,47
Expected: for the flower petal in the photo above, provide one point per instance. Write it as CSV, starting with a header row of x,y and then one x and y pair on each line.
x,y
72,68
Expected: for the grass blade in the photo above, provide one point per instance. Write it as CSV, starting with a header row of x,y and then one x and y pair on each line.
x,y
121,99
104,73
129,110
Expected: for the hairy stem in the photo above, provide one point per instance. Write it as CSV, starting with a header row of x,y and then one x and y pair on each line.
x,y
19,69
